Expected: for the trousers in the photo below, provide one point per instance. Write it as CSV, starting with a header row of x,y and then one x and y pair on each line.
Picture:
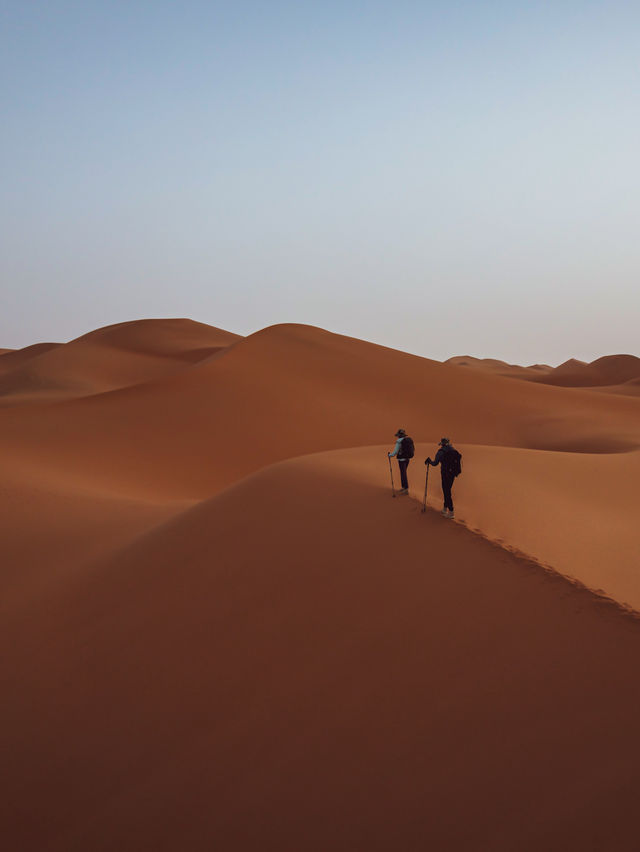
x,y
403,464
447,482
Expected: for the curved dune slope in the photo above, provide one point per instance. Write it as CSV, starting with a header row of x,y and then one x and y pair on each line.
x,y
116,356
304,663
290,390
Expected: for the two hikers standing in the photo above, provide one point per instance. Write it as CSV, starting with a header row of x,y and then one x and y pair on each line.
x,y
447,457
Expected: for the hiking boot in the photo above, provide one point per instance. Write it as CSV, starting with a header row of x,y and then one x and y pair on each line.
x,y
445,513
403,491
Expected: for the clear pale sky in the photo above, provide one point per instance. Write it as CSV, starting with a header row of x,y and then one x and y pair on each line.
x,y
441,177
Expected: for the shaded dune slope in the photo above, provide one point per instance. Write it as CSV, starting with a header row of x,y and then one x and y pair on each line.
x,y
12,359
303,663
51,525
629,388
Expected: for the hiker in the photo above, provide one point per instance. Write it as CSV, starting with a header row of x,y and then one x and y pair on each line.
x,y
449,460
403,450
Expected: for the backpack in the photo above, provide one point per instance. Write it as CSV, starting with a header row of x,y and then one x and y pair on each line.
x,y
406,448
453,462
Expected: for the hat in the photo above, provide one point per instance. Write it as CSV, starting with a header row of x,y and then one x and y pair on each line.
x,y
444,441
400,433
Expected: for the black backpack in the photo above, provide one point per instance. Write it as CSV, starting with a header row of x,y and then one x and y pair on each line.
x,y
406,448
452,462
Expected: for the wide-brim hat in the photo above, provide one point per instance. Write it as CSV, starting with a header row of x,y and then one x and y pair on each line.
x,y
444,441
400,433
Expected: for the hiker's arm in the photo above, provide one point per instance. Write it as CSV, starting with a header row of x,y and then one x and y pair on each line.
x,y
396,449
437,459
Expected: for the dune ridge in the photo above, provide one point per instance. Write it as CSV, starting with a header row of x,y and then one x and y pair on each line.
x,y
238,639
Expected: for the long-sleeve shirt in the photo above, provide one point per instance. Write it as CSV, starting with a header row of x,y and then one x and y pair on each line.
x,y
397,448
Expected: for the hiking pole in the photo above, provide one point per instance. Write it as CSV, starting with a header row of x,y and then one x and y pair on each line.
x,y
426,482
393,490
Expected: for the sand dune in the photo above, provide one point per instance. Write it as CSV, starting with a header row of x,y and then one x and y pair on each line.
x,y
574,512
113,357
14,358
611,371
500,368
629,388
52,525
182,339
350,674
290,390
224,633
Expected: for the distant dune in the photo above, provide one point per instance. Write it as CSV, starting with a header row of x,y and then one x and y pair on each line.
x,y
224,633
113,357
14,358
610,371
500,368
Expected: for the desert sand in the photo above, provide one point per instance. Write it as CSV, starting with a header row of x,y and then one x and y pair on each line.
x,y
221,631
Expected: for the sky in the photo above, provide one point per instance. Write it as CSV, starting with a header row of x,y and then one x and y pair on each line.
x,y
445,178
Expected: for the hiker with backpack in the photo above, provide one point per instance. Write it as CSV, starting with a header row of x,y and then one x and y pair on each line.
x,y
450,461
403,451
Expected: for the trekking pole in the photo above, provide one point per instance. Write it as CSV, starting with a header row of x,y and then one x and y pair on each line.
x,y
426,482
393,490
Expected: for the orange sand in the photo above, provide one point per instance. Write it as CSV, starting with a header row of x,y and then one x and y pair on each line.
x,y
221,632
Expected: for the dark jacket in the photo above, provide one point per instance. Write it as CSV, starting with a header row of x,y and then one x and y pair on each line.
x,y
445,455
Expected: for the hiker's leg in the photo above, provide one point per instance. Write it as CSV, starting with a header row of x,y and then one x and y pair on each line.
x,y
403,473
447,482
449,487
